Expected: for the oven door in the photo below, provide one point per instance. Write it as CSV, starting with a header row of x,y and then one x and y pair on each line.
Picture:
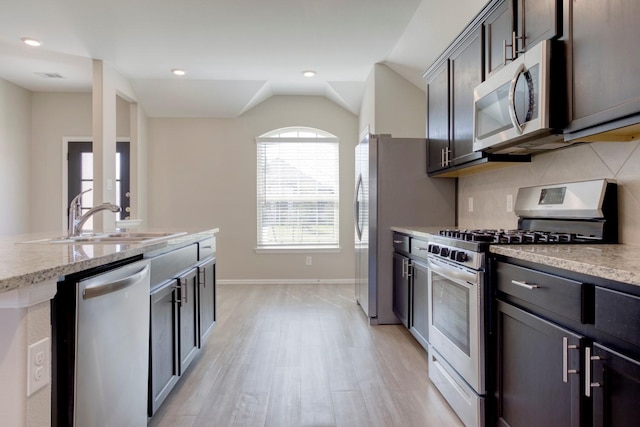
x,y
456,325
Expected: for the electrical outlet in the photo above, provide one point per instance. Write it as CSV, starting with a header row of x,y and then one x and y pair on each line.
x,y
470,204
39,367
309,261
509,202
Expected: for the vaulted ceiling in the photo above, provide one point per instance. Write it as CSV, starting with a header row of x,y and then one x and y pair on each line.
x,y
236,53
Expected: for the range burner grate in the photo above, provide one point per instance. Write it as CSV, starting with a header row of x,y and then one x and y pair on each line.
x,y
510,236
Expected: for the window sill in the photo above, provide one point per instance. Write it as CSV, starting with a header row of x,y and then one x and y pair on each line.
x,y
297,249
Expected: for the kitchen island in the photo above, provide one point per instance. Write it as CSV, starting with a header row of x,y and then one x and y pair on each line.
x,y
29,274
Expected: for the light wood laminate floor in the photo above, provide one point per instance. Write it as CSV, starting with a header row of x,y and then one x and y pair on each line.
x,y
303,355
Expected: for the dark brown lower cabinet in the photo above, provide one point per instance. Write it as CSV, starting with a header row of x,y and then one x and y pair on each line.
x,y
188,317
615,388
401,287
206,298
538,365
163,355
419,323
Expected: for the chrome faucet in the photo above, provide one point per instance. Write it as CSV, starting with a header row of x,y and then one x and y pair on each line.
x,y
77,219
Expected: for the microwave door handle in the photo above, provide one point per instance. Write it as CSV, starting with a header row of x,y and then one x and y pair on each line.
x,y
512,99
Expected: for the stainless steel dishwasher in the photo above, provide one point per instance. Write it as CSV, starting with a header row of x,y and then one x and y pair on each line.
x,y
106,384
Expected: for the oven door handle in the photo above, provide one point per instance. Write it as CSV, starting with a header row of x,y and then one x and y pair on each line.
x,y
452,272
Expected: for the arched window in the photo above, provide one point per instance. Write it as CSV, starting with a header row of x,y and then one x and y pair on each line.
x,y
297,189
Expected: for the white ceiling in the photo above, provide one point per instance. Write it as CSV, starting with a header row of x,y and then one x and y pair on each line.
x,y
237,53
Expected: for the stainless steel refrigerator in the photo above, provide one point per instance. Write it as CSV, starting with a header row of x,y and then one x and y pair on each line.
x,y
392,189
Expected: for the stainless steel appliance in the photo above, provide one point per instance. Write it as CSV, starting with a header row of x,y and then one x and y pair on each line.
x,y
519,108
457,325
570,213
392,188
101,348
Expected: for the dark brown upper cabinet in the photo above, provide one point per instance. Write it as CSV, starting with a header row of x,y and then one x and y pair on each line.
x,y
450,82
450,103
515,25
604,67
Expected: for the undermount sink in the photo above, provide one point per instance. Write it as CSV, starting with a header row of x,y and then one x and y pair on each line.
x,y
111,238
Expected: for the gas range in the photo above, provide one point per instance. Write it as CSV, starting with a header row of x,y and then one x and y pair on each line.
x,y
459,288
569,213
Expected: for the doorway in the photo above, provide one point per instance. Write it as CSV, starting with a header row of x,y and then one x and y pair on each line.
x,y
80,177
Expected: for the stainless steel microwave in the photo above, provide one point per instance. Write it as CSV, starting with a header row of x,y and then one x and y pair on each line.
x,y
512,111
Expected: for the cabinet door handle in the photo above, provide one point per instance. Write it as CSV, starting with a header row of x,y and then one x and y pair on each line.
x,y
524,285
178,300
504,52
409,265
514,45
565,359
397,242
442,157
202,276
588,385
186,289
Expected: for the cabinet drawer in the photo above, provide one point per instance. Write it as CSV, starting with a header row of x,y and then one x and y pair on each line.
x,y
618,314
206,248
401,242
555,294
419,248
170,264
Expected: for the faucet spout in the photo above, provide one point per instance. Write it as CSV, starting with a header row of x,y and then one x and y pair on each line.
x,y
77,219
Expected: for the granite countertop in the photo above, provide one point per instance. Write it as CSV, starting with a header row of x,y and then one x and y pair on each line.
x,y
27,264
617,262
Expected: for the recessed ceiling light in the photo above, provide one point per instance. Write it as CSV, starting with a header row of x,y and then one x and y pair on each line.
x,y
309,73
178,72
31,41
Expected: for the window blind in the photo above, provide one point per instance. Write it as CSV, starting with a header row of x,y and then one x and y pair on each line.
x,y
297,192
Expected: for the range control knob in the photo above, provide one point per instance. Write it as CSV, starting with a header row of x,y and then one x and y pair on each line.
x,y
444,252
461,256
434,249
453,254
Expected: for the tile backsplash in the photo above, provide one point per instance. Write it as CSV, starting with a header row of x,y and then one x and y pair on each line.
x,y
490,190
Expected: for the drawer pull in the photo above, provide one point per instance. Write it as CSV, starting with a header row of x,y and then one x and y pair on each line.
x,y
397,242
524,285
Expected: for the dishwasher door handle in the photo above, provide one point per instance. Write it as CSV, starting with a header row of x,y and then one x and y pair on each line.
x,y
99,289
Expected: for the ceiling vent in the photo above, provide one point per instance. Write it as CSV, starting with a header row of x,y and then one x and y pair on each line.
x,y
50,75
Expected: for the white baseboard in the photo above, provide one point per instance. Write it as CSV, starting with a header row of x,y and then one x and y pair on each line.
x,y
287,282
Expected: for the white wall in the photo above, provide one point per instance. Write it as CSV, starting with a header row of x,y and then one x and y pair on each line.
x,y
392,105
15,143
202,174
54,116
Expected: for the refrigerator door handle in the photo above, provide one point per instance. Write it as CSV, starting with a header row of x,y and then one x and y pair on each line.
x,y
356,207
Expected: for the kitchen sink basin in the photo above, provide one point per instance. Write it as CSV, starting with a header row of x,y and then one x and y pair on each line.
x,y
111,238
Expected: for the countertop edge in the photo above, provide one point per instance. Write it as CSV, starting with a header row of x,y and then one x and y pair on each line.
x,y
39,275
611,262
